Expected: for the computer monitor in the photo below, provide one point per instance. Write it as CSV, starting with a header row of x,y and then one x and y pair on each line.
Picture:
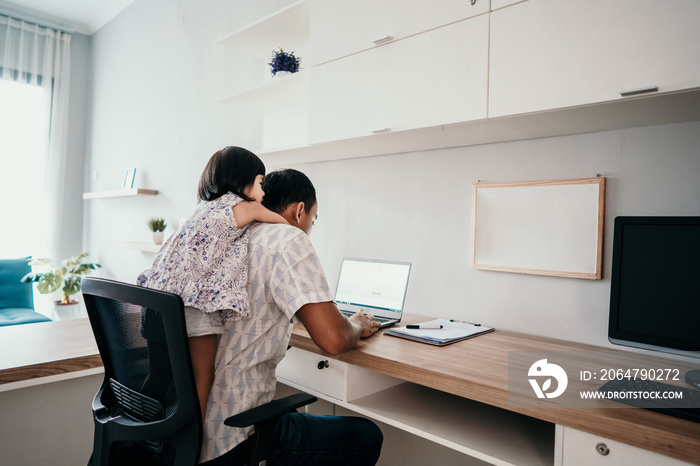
x,y
655,290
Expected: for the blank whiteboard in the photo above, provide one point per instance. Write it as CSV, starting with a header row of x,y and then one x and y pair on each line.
x,y
539,227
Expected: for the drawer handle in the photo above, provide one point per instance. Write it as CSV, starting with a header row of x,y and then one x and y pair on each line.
x,y
383,40
602,449
323,364
381,130
643,90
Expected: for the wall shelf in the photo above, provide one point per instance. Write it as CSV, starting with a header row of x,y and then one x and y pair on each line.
x,y
287,28
126,192
142,246
273,95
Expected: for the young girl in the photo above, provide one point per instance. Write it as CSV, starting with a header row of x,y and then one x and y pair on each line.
x,y
204,262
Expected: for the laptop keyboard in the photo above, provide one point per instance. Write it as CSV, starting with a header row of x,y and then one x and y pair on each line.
x,y
381,320
687,407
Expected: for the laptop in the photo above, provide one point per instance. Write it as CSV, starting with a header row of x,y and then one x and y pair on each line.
x,y
379,287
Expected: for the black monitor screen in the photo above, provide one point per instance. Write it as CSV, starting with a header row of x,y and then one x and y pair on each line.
x,y
655,291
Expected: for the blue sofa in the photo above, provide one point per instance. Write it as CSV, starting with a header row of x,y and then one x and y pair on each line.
x,y
16,301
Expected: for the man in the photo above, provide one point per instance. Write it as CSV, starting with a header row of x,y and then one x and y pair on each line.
x,y
285,284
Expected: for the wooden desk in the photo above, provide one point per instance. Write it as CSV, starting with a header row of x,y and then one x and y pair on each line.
x,y
49,373
477,369
33,351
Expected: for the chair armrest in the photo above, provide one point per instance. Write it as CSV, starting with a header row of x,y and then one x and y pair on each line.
x,y
270,410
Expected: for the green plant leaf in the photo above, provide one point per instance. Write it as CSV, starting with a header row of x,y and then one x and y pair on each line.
x,y
43,261
156,224
71,286
83,269
49,282
68,274
31,277
75,260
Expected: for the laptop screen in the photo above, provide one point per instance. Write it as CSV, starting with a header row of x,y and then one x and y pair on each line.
x,y
373,284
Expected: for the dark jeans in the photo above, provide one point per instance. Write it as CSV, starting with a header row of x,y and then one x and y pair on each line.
x,y
303,439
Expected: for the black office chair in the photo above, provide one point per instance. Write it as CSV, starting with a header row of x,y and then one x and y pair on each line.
x,y
147,410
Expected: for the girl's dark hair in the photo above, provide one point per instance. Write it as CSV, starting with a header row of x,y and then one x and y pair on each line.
x,y
284,187
231,169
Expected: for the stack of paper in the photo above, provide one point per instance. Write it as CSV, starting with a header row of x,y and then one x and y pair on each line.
x,y
450,332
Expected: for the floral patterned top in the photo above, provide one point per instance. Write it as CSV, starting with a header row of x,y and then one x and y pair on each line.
x,y
204,262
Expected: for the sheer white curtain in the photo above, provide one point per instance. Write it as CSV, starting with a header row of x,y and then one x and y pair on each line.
x,y
39,56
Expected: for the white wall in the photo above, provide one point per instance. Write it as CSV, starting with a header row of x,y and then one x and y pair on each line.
x,y
417,207
157,73
72,232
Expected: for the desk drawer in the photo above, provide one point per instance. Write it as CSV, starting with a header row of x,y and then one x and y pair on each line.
x,y
584,449
314,372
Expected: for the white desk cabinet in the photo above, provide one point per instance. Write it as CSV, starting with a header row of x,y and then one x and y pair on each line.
x,y
482,432
341,27
583,449
435,78
550,54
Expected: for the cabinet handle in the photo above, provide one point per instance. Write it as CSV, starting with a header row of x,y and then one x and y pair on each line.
x,y
472,2
602,449
383,40
323,364
381,130
643,90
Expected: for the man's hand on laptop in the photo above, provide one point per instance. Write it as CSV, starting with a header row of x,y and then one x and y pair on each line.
x,y
369,325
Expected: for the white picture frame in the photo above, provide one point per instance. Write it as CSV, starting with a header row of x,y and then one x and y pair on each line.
x,y
129,178
542,227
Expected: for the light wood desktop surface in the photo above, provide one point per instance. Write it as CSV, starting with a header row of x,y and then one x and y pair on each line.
x,y
477,369
32,351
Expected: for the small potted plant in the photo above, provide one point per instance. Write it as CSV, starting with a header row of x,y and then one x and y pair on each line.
x,y
157,226
283,63
69,275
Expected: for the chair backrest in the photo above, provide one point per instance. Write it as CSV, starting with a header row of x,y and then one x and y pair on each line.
x,y
14,293
146,410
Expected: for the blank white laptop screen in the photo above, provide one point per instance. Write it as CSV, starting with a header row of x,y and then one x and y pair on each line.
x,y
378,287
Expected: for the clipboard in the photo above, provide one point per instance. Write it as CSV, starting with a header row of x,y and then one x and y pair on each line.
x,y
451,332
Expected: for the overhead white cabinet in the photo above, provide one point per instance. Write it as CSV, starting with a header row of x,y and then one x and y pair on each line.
x,y
407,75
435,78
287,28
341,27
550,54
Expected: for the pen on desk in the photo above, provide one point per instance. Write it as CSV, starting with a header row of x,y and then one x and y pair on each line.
x,y
461,322
423,327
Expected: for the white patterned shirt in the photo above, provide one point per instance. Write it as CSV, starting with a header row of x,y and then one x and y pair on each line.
x,y
284,273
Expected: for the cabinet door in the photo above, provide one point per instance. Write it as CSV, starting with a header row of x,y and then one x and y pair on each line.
x,y
313,372
341,27
431,79
583,449
549,54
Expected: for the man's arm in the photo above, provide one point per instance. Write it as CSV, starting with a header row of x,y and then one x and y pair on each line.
x,y
332,331
203,353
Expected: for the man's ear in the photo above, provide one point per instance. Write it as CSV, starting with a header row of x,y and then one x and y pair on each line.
x,y
298,210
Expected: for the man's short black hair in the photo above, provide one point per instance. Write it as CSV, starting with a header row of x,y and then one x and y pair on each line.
x,y
231,169
284,187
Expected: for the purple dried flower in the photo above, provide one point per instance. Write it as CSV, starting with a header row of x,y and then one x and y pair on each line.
x,y
284,61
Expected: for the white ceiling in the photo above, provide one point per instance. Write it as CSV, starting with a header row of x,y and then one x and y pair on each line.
x,y
83,16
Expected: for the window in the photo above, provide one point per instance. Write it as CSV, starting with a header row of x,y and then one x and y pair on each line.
x,y
23,147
